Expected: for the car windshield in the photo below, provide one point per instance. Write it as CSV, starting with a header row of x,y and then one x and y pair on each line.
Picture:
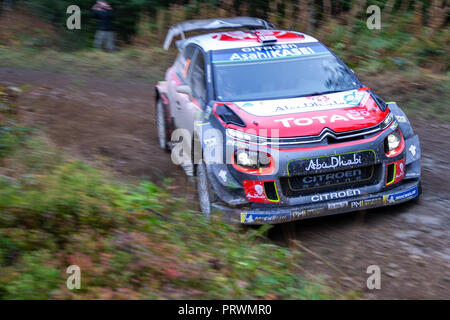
x,y
282,71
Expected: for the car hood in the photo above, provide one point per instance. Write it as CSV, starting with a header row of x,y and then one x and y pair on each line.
x,y
307,116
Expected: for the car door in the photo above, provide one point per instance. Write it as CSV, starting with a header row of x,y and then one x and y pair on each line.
x,y
190,107
181,69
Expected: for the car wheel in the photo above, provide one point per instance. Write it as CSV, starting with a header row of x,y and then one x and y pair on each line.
x,y
161,125
205,195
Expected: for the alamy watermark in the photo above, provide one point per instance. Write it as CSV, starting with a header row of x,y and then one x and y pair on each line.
x,y
374,280
73,22
374,20
74,280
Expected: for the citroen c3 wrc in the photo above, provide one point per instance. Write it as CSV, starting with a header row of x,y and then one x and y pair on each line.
x,y
277,128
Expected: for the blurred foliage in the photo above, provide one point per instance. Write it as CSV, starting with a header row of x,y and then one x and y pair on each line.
x,y
127,13
130,241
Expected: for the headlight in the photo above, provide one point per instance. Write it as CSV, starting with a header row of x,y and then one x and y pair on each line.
x,y
387,121
245,137
393,144
253,162
240,135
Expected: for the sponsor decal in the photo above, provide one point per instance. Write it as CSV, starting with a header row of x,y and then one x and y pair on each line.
x,y
412,149
331,178
264,217
297,213
399,171
294,214
357,204
394,125
401,119
254,191
338,205
223,175
373,202
366,203
331,162
314,211
335,195
307,121
346,99
401,196
354,98
268,52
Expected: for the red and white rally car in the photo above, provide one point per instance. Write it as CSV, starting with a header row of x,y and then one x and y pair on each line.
x,y
277,128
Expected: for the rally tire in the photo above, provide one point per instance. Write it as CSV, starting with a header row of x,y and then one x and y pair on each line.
x,y
206,195
161,125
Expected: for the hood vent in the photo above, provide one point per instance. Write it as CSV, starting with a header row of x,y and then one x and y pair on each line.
x,y
229,116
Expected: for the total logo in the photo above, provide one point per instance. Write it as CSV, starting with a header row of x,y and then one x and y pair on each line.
x,y
307,121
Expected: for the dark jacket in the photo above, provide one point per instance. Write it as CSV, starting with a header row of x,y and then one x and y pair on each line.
x,y
105,18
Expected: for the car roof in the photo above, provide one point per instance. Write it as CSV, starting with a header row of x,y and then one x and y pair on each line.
x,y
242,39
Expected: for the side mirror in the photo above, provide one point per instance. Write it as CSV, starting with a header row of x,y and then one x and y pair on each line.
x,y
185,89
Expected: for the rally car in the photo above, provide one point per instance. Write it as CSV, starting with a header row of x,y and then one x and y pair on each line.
x,y
276,128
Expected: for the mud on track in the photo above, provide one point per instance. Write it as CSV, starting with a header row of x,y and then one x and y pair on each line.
x,y
111,123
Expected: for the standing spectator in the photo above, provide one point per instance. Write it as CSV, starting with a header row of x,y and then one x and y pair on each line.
x,y
104,37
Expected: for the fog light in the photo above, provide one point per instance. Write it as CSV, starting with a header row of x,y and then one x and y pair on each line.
x,y
253,162
247,160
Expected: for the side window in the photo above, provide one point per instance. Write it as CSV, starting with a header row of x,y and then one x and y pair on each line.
x,y
188,54
179,64
197,79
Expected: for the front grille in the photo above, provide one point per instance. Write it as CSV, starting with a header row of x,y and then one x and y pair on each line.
x,y
327,136
307,184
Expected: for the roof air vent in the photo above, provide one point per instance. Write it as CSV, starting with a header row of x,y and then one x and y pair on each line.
x,y
267,39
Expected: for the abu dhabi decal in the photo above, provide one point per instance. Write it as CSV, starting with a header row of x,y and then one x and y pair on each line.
x,y
268,52
335,195
346,99
401,196
331,163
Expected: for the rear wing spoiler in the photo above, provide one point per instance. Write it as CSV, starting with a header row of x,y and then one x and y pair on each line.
x,y
213,24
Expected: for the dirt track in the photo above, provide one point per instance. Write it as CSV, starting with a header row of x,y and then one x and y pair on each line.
x,y
111,123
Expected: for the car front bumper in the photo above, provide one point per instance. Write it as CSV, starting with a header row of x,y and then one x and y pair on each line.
x,y
405,191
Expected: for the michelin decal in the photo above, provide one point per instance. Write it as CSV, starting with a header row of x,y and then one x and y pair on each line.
x,y
405,195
